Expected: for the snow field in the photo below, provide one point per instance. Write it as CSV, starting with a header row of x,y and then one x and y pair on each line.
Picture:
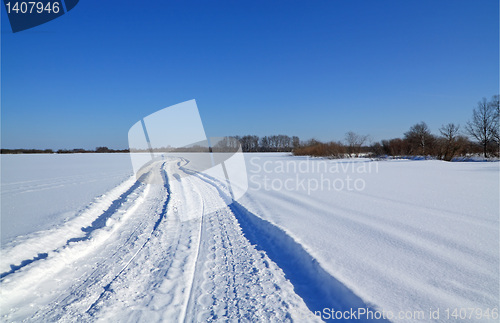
x,y
416,237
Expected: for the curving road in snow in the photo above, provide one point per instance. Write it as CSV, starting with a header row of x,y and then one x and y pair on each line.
x,y
422,236
167,251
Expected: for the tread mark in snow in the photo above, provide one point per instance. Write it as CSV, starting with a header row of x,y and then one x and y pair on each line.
x,y
163,213
14,268
98,223
316,286
233,282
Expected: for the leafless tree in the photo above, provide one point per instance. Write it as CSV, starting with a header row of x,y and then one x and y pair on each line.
x,y
420,139
377,149
450,131
449,145
484,124
495,105
249,143
295,142
354,142
225,144
264,144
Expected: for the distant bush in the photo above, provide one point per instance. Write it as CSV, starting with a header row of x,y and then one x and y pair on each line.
x,y
319,149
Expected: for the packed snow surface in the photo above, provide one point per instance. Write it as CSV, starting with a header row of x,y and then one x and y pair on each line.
x,y
82,240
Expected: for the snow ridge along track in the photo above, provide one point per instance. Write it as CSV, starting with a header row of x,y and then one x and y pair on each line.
x,y
169,252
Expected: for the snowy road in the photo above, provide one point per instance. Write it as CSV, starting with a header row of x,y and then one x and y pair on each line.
x,y
168,252
422,236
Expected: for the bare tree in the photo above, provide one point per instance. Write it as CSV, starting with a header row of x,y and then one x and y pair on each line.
x,y
295,142
450,131
395,147
225,144
484,124
264,144
354,142
377,149
448,143
420,139
495,105
278,143
249,143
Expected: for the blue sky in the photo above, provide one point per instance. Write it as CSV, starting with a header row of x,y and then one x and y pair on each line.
x,y
306,68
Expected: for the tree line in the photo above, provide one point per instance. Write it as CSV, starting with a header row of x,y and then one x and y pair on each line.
x,y
62,151
479,136
275,143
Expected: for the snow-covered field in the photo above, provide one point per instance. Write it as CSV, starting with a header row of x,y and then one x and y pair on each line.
x,y
405,236
39,191
82,240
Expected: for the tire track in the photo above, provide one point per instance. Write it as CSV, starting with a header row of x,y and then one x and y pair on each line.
x,y
234,280
177,253
104,256
310,281
167,264
107,289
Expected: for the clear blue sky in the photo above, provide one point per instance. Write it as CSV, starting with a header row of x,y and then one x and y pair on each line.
x,y
307,68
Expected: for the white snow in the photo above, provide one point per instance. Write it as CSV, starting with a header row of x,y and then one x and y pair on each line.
x,y
86,241
40,191
415,235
